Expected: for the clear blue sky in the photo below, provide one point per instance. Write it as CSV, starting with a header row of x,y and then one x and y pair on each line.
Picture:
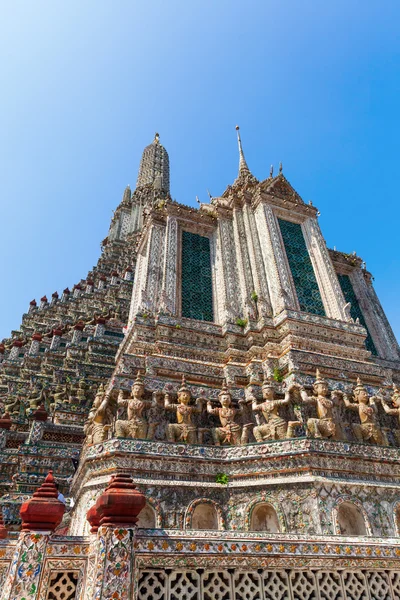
x,y
84,86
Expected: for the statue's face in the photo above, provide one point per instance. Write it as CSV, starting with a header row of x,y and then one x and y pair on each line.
x,y
184,397
321,389
225,400
268,393
137,390
361,396
97,401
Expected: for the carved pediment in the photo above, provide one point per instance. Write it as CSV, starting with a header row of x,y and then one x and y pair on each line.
x,y
281,188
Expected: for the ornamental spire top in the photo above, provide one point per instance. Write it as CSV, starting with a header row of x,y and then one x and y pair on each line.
x,y
154,166
243,168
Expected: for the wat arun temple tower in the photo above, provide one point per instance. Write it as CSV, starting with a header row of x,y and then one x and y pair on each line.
x,y
219,402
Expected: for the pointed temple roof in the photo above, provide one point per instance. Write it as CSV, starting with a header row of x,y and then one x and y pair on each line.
x,y
244,173
243,167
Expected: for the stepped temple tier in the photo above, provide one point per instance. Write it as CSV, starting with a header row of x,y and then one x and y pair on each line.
x,y
218,401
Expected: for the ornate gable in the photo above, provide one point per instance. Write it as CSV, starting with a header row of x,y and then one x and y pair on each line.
x,y
281,188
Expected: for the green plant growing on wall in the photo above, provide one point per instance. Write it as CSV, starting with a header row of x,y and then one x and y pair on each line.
x,y
222,478
254,296
278,375
241,322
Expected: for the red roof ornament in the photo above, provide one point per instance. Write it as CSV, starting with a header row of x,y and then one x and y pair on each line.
x,y
37,337
2,348
43,299
3,529
43,512
18,343
120,504
79,326
33,303
93,519
66,291
57,332
40,414
5,421
54,295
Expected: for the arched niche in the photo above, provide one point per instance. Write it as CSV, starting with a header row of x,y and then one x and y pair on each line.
x,y
147,517
350,520
264,518
204,516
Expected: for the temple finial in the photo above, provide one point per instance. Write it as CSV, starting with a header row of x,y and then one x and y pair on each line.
x,y
271,171
280,167
243,168
156,137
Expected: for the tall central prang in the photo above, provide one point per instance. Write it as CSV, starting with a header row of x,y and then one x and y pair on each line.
x,y
251,395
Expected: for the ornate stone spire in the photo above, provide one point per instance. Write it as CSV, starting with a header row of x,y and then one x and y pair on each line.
x,y
127,194
154,166
243,168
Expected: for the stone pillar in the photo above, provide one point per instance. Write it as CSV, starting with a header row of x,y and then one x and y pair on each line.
x,y
43,302
32,306
128,275
55,342
65,295
102,282
257,264
114,278
331,292
40,517
244,266
229,299
375,318
149,272
100,327
35,344
15,350
77,290
168,292
276,267
77,335
54,298
115,514
89,286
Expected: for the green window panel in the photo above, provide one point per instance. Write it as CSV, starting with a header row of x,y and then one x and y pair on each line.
x,y
196,277
300,264
355,311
